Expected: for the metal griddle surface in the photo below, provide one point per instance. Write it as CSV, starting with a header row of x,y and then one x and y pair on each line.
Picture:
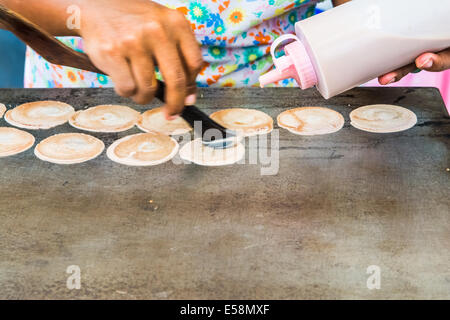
x,y
339,203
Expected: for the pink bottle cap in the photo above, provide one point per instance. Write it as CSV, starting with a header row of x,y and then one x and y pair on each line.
x,y
294,64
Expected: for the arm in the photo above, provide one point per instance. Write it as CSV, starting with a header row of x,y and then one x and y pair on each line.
x,y
126,39
50,15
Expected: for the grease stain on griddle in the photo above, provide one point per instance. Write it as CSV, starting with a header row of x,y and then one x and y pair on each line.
x,y
151,205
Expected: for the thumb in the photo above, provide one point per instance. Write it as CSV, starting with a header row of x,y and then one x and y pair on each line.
x,y
434,62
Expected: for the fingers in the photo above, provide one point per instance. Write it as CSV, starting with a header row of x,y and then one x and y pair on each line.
x,y
396,75
144,74
116,65
191,57
172,70
434,62
120,72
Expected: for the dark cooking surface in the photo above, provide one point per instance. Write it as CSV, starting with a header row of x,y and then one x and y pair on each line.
x,y
338,204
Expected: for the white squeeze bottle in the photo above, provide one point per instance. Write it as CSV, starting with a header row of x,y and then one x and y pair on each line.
x,y
359,41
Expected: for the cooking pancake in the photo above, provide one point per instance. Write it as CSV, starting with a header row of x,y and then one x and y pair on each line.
x,y
195,151
310,121
14,141
382,118
2,109
39,115
154,121
248,122
143,149
105,118
69,148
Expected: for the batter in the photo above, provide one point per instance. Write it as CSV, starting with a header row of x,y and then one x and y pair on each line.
x,y
39,115
143,149
2,110
310,121
105,118
382,118
154,120
69,148
247,122
14,141
195,151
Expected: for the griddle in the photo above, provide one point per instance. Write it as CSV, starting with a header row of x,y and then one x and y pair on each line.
x,y
339,204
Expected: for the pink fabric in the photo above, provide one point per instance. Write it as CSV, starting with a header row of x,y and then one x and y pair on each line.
x,y
440,80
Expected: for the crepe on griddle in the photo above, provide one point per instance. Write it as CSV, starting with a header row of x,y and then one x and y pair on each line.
x,y
311,120
39,115
2,110
247,122
154,121
69,148
195,151
382,118
105,118
143,149
14,141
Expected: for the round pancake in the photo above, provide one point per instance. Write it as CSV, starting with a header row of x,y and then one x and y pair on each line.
x,y
14,141
105,118
382,118
39,115
154,120
69,148
195,151
2,110
143,149
310,121
248,122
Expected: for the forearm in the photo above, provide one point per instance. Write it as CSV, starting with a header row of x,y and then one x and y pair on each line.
x,y
50,15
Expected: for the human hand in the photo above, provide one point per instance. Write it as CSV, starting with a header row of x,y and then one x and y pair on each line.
x,y
433,62
125,39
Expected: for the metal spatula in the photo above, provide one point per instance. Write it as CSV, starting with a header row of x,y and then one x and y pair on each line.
x,y
54,51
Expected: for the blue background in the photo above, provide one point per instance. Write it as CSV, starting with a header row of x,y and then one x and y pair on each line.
x,y
12,61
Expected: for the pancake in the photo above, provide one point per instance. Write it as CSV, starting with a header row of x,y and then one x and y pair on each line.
x,y
69,148
2,109
310,121
14,141
143,149
39,115
248,122
154,121
195,151
105,118
382,118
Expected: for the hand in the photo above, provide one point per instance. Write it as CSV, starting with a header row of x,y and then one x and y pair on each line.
x,y
126,39
433,62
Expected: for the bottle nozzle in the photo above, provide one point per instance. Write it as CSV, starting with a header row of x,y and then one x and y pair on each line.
x,y
276,75
294,64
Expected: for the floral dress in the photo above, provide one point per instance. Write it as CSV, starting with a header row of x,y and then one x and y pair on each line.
x,y
235,36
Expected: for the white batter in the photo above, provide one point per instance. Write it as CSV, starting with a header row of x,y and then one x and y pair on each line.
x,y
195,151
